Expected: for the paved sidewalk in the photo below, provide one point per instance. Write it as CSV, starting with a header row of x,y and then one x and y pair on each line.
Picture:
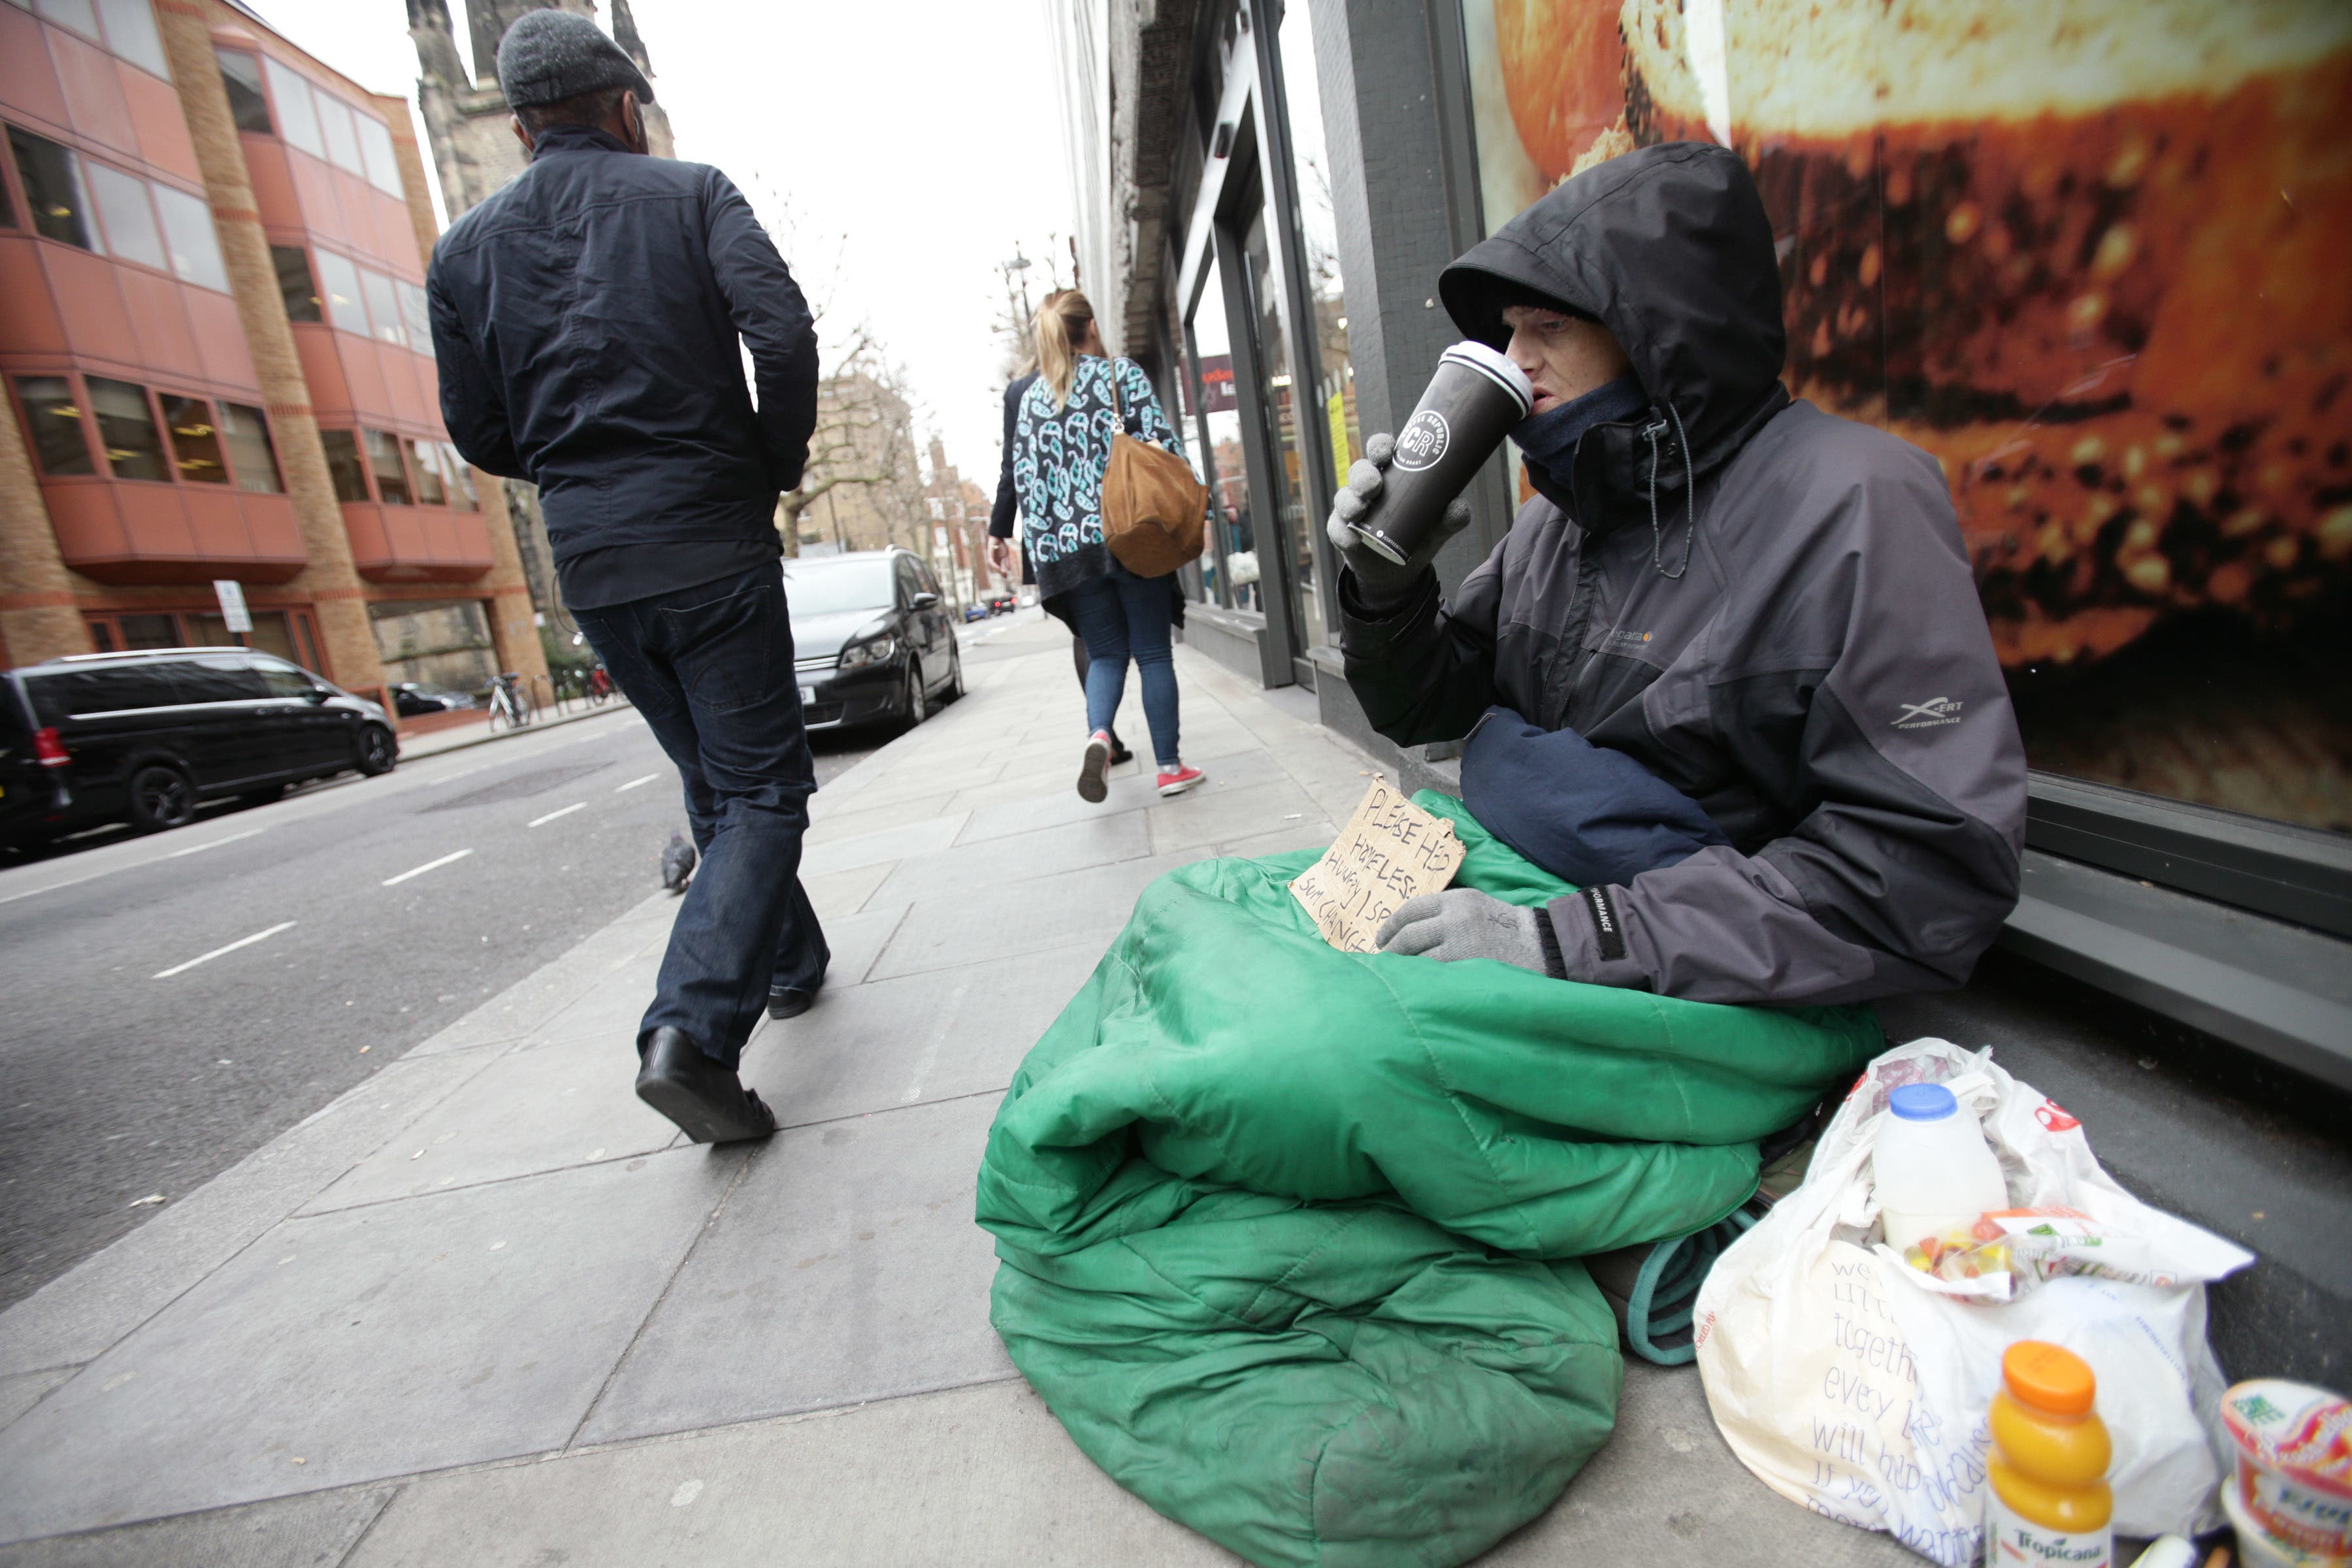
x,y
488,1310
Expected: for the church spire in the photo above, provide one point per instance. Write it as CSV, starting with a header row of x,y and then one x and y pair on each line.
x,y
625,33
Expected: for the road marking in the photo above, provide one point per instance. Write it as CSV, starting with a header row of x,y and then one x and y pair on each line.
x,y
200,848
428,866
232,947
634,783
561,811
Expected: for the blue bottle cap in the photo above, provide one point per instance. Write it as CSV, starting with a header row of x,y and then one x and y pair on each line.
x,y
1922,1102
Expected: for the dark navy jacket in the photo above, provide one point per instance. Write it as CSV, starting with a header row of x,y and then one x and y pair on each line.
x,y
586,317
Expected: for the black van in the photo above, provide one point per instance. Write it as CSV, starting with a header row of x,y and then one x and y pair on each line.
x,y
143,737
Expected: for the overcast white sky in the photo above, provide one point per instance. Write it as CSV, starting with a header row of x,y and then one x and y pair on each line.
x,y
918,138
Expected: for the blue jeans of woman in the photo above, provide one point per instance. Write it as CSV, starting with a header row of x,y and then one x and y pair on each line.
x,y
1125,617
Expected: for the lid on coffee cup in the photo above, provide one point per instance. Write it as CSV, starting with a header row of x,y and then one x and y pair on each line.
x,y
1497,367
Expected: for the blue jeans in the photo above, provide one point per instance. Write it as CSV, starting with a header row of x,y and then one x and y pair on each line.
x,y
710,667
1123,617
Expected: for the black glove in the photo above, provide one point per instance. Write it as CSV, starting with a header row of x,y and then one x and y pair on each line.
x,y
1381,584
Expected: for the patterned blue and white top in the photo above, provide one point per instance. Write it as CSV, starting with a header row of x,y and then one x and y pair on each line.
x,y
1058,459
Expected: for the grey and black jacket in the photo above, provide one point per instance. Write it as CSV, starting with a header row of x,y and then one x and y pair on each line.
x,y
1768,607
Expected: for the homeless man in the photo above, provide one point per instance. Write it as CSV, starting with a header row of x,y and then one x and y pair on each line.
x,y
587,320
1727,671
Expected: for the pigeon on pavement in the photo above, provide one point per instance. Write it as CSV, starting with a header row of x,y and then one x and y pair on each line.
x,y
677,863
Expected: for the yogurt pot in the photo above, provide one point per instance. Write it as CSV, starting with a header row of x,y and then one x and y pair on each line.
x,y
2258,1548
2294,1480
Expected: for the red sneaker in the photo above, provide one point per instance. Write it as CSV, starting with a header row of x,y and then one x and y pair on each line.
x,y
1091,787
1182,779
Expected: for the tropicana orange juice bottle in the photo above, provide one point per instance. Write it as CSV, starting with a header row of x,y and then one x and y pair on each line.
x,y
2050,1501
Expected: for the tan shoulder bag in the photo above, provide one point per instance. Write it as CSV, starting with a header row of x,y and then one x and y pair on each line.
x,y
1154,509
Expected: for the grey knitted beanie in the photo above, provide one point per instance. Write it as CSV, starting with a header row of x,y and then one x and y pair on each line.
x,y
549,55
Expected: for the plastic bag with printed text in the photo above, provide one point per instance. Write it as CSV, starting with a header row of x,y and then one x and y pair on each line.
x,y
1857,1384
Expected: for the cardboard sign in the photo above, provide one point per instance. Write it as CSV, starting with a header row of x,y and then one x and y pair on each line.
x,y
1390,851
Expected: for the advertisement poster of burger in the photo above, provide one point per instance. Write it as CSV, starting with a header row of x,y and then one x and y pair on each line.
x,y
2096,256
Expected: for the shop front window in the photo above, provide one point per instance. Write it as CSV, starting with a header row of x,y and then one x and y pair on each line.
x,y
1221,438
126,428
1318,226
1281,401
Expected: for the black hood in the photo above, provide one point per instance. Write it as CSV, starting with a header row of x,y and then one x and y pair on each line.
x,y
1670,247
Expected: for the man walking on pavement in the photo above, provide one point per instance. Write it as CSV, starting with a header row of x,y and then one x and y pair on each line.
x,y
586,320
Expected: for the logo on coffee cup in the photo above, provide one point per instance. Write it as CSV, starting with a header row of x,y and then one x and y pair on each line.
x,y
1423,441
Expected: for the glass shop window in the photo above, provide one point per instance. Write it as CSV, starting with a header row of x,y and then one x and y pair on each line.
x,y
126,428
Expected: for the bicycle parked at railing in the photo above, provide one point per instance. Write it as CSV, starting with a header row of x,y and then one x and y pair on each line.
x,y
510,704
600,687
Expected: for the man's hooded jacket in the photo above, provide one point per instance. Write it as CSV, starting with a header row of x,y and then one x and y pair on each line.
x,y
1767,606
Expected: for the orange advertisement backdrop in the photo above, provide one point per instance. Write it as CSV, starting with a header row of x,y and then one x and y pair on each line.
x,y
2097,258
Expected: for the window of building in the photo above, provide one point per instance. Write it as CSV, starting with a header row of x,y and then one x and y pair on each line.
x,y
78,15
294,284
250,448
53,189
297,116
344,466
342,141
383,461
54,415
247,104
189,234
383,307
195,439
1284,438
461,479
126,429
1221,440
425,461
416,314
130,34
342,287
1318,226
375,152
123,211
147,631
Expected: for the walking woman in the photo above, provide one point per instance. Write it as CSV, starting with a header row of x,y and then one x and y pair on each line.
x,y
1061,448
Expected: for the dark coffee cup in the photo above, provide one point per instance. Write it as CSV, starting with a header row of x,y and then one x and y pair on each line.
x,y
1472,401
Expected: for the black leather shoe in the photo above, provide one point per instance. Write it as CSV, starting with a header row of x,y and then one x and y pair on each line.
x,y
791,1001
709,1103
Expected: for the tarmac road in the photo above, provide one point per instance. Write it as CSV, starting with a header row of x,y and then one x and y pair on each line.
x,y
170,1003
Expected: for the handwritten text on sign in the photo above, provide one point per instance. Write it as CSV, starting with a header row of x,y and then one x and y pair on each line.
x,y
1390,851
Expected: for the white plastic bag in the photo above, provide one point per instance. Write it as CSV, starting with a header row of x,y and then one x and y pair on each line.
x,y
1857,1385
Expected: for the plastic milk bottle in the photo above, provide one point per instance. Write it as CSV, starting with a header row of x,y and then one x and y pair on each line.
x,y
2048,1466
1931,1166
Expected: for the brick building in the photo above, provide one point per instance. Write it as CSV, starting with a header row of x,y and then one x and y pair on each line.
x,y
217,363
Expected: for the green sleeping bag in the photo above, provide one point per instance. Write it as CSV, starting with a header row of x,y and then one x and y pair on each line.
x,y
1288,1234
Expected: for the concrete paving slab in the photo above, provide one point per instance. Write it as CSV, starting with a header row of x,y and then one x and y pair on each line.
x,y
368,1344
929,1037
844,853
881,818
21,1391
857,941
313,1531
1668,1489
530,1111
1215,815
1309,832
839,893
997,819
1019,857
846,1267
75,1317
988,923
980,1477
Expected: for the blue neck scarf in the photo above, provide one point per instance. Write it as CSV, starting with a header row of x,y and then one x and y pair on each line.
x,y
1548,439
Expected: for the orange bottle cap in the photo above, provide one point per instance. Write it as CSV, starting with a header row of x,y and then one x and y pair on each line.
x,y
2049,1377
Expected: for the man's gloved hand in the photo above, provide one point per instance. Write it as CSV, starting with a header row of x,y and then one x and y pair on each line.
x,y
1462,922
1380,582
